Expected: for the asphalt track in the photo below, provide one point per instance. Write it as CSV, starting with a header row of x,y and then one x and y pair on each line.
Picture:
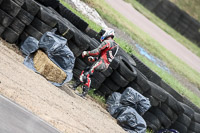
x,y
155,32
15,119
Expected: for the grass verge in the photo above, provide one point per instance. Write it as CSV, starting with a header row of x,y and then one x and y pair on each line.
x,y
147,42
156,20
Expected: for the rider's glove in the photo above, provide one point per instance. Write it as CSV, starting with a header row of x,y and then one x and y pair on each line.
x,y
91,59
84,54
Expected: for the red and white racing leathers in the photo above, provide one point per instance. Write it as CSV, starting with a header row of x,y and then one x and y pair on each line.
x,y
106,52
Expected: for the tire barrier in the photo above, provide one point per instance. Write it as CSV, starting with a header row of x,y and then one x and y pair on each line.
x,y
175,17
169,109
73,18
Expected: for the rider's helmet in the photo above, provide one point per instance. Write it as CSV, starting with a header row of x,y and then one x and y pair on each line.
x,y
105,33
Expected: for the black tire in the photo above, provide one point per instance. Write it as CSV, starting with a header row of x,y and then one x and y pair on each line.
x,y
188,111
73,18
107,72
76,73
179,127
151,4
81,40
189,131
126,56
168,112
173,18
184,119
196,117
79,23
99,76
19,2
164,120
64,30
33,32
143,2
154,102
174,104
52,3
46,15
105,90
170,90
157,92
93,44
80,64
22,38
118,79
151,126
76,51
93,34
2,28
148,116
115,62
136,87
142,81
164,9
25,17
194,126
94,83
17,26
191,105
151,75
111,84
127,70
5,19
9,35
31,7
40,26
10,7
181,26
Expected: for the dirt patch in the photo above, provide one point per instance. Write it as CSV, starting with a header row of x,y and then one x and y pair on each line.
x,y
66,111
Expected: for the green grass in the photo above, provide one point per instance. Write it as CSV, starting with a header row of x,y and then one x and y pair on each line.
x,y
148,43
192,7
97,98
145,40
187,43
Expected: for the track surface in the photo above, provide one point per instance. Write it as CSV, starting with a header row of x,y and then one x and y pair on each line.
x,y
158,34
15,119
59,107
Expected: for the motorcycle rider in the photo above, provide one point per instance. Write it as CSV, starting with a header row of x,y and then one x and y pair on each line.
x,y
102,56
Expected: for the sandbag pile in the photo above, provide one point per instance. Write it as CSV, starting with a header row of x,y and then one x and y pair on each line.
x,y
128,109
49,57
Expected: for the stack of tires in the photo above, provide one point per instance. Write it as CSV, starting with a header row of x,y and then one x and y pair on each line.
x,y
165,108
22,18
194,126
12,21
175,17
164,9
